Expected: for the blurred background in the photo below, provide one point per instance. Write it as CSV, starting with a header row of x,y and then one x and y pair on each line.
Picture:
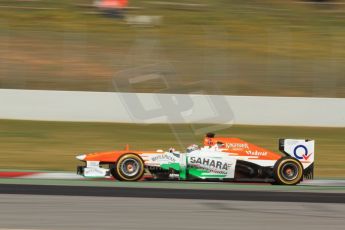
x,y
289,48
232,47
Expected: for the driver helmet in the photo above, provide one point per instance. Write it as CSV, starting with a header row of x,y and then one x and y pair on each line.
x,y
172,150
192,148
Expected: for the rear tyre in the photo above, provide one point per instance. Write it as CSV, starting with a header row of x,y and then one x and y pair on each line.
x,y
129,167
287,171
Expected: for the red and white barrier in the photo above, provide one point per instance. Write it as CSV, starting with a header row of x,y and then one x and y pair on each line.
x,y
40,175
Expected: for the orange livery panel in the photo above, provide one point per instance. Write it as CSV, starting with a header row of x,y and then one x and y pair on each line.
x,y
238,147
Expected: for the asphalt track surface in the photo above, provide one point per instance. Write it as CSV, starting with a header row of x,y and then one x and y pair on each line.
x,y
81,212
198,194
111,205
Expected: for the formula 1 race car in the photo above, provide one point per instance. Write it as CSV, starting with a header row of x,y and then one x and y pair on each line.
x,y
220,159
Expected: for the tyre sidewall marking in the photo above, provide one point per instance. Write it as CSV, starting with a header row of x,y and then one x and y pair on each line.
x,y
297,179
135,157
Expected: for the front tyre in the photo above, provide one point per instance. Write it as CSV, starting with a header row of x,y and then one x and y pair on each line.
x,y
129,167
287,171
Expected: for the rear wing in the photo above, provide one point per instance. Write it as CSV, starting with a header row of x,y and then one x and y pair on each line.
x,y
302,150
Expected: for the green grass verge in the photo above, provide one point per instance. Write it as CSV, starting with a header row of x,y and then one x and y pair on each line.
x,y
54,145
266,47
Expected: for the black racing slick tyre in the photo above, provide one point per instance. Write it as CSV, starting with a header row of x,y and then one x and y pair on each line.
x,y
287,171
129,167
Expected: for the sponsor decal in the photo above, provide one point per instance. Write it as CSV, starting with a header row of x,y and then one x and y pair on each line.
x,y
237,146
164,157
92,170
256,153
211,165
300,156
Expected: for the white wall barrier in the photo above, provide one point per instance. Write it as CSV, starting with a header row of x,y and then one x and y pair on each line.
x,y
172,108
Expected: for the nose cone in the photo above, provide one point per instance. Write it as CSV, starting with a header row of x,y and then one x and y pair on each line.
x,y
81,157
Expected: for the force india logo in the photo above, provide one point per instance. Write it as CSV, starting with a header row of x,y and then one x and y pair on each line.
x,y
209,164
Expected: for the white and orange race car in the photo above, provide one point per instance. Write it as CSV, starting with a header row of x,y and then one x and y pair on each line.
x,y
220,159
